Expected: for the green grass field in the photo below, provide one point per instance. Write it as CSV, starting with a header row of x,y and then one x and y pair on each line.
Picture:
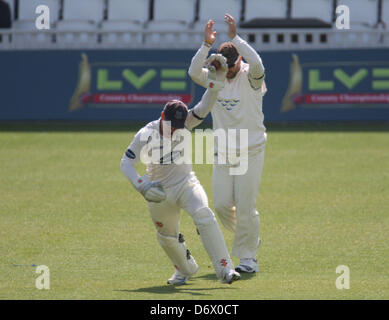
x,y
324,202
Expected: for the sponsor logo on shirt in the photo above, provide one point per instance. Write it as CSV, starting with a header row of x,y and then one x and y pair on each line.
x,y
228,104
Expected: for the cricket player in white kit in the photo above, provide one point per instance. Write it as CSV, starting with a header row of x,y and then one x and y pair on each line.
x,y
238,106
169,186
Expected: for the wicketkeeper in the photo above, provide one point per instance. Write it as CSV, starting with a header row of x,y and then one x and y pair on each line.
x,y
169,187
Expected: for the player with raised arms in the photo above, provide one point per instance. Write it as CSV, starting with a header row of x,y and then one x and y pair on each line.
x,y
169,187
238,106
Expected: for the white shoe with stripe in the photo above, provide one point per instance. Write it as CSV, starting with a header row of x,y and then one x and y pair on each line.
x,y
248,266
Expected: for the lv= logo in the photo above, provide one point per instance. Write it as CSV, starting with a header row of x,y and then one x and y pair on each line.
x,y
345,83
129,83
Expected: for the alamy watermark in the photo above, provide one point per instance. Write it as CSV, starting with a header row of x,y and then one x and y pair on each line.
x,y
43,281
223,147
42,22
343,281
343,17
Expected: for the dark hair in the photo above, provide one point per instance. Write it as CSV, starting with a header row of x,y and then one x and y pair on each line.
x,y
229,51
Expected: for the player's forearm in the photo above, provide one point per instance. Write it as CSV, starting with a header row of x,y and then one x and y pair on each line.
x,y
207,102
196,70
128,170
151,191
201,110
251,56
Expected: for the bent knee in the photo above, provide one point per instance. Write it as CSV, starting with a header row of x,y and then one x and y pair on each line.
x,y
204,216
247,216
223,208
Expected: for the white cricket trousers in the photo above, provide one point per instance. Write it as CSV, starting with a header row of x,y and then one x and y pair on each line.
x,y
188,195
235,199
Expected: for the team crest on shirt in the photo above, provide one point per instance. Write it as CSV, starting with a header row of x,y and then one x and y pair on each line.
x,y
228,104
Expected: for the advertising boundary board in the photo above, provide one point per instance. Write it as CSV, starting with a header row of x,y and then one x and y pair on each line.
x,y
309,85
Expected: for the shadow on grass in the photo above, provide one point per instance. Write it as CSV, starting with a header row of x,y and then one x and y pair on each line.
x,y
243,276
169,289
187,289
127,126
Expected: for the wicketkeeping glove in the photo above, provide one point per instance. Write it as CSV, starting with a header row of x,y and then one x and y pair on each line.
x,y
217,70
151,191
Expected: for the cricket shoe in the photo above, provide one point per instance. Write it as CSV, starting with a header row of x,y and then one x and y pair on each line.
x,y
178,278
229,276
248,266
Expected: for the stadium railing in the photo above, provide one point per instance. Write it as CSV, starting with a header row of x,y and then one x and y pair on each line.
x,y
263,39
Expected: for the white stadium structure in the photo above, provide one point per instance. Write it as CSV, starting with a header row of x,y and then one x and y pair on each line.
x,y
178,24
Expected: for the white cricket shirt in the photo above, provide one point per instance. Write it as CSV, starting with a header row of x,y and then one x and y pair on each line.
x,y
162,152
239,106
